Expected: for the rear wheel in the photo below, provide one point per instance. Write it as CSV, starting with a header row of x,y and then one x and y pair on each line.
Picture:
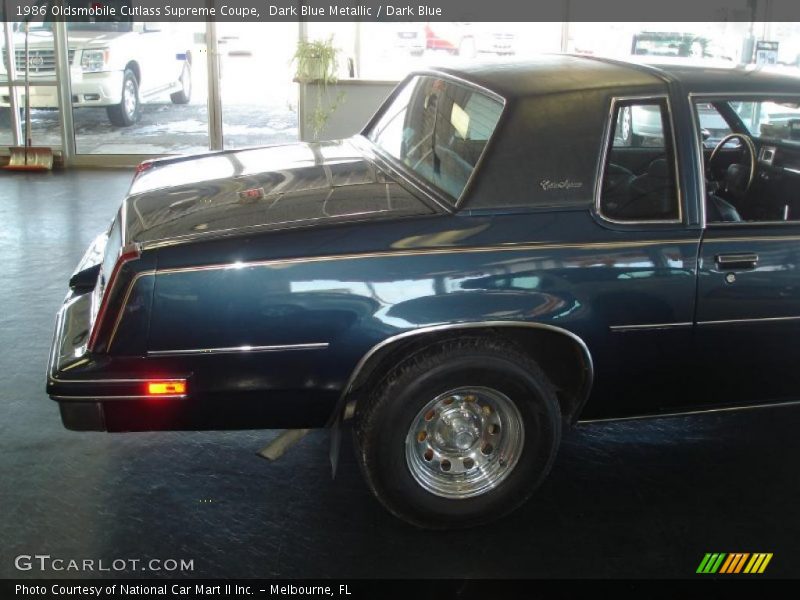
x,y
129,110
459,434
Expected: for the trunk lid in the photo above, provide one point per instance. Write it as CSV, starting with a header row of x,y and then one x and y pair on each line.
x,y
275,187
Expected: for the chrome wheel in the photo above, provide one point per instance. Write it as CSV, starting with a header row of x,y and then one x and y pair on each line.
x,y
464,442
129,99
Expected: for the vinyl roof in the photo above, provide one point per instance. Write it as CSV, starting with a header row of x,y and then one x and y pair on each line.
x,y
558,73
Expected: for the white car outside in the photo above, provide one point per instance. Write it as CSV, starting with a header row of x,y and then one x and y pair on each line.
x,y
116,65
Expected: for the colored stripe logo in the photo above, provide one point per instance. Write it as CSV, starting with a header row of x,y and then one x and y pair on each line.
x,y
735,562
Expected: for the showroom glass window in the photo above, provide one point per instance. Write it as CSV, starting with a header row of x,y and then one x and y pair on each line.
x,y
639,180
438,129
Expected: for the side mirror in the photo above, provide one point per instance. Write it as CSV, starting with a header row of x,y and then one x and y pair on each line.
x,y
705,133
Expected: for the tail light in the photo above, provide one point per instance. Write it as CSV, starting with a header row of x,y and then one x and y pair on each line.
x,y
104,314
142,167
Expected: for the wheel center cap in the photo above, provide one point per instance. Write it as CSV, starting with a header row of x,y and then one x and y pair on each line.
x,y
464,439
458,433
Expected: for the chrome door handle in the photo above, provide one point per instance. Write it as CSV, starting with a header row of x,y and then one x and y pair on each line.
x,y
744,260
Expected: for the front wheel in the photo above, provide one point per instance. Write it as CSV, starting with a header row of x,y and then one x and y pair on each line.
x,y
458,434
128,111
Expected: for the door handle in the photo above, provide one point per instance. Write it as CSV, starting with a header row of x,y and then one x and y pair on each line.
x,y
744,260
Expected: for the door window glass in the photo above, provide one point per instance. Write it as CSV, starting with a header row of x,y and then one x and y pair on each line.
x,y
639,180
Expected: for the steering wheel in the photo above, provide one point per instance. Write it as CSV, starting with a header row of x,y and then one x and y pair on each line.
x,y
738,178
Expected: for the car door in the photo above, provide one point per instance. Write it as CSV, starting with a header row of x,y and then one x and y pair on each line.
x,y
647,298
155,54
748,295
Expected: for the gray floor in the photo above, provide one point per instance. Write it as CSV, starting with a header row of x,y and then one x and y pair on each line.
x,y
635,499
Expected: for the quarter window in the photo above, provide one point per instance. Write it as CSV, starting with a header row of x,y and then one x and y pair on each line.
x,y
438,129
639,180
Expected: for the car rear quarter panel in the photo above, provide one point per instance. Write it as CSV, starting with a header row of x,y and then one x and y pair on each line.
x,y
348,289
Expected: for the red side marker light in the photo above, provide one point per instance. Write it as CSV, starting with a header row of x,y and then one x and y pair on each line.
x,y
251,195
166,388
142,167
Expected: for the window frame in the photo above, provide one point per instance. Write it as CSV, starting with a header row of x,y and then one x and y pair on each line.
x,y
607,142
694,98
440,196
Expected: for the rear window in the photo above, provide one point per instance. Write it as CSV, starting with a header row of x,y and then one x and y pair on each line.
x,y
438,129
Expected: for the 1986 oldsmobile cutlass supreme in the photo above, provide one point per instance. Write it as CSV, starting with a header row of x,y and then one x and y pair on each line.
x,y
497,256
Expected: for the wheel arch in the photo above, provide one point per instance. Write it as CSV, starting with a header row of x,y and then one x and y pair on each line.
x,y
561,354
136,69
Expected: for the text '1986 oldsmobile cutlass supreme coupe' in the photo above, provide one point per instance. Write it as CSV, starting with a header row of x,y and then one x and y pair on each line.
x,y
498,255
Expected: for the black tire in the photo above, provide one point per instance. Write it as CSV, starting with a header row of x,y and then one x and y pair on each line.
x,y
384,419
184,95
129,110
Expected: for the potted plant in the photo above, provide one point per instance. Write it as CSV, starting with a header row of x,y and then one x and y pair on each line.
x,y
316,66
316,61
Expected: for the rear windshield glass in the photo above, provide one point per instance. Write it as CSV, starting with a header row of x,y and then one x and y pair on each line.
x,y
438,129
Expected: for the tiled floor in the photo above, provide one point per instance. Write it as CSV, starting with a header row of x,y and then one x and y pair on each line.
x,y
633,499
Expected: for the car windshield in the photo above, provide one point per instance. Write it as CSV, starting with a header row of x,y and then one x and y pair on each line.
x,y
438,129
771,119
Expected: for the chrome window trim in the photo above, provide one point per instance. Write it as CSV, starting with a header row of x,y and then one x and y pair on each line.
x,y
606,147
457,202
244,349
723,224
364,144
694,98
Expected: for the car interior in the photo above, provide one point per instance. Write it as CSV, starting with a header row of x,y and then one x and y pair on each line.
x,y
753,177
754,169
639,180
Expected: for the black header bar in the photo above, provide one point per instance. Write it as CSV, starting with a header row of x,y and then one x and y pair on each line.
x,y
398,11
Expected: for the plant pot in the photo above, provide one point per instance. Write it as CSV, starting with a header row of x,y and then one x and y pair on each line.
x,y
311,70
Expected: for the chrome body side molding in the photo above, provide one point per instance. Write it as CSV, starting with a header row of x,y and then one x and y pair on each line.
x,y
239,349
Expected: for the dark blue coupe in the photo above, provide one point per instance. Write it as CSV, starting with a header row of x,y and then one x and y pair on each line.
x,y
503,251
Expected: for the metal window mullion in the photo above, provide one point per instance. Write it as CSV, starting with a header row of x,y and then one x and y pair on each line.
x,y
11,71
64,89
215,133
